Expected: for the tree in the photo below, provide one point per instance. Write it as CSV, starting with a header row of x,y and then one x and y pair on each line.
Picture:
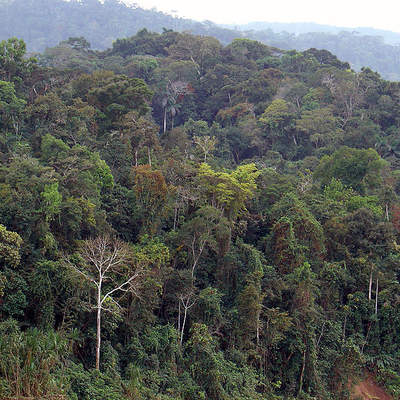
x,y
206,143
320,125
277,120
229,192
187,300
51,201
10,243
110,266
349,91
205,361
203,52
77,43
141,133
249,308
358,168
173,94
302,283
296,235
199,233
12,298
13,65
11,107
114,95
152,195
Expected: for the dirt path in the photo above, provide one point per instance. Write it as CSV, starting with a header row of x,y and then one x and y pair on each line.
x,y
369,390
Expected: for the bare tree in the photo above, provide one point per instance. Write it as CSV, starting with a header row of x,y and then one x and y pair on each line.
x,y
108,264
348,90
199,233
206,143
187,300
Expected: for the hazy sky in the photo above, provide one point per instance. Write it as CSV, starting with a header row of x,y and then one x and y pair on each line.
x,y
383,14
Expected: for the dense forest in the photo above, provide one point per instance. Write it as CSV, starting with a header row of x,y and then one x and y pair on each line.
x,y
359,50
185,220
45,23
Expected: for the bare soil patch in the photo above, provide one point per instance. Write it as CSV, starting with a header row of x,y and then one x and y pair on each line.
x,y
369,390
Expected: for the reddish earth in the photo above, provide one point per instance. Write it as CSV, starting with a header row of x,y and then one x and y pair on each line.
x,y
369,390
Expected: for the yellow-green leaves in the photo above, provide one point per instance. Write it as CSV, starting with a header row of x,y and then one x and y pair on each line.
x,y
10,243
51,200
276,114
228,191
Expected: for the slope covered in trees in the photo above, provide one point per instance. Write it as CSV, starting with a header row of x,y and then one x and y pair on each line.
x,y
185,220
45,23
359,49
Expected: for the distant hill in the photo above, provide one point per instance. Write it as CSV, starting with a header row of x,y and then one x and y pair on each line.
x,y
359,50
45,23
297,28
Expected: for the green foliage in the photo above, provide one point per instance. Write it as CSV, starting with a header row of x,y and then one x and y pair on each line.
x,y
152,195
321,126
390,380
10,243
370,202
269,273
114,95
51,200
31,360
14,299
105,23
296,234
10,107
91,384
13,64
276,115
229,191
209,305
359,169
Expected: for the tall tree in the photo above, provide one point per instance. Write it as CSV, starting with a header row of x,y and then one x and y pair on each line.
x,y
108,264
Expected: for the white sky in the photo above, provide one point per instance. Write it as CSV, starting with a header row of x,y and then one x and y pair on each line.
x,y
383,14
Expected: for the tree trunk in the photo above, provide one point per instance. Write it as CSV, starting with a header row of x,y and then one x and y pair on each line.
x,y
165,119
98,341
175,216
344,328
320,336
376,296
183,323
302,372
366,338
149,155
370,285
179,316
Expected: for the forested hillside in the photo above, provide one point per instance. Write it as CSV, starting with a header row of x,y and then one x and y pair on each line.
x,y
45,23
359,50
185,220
